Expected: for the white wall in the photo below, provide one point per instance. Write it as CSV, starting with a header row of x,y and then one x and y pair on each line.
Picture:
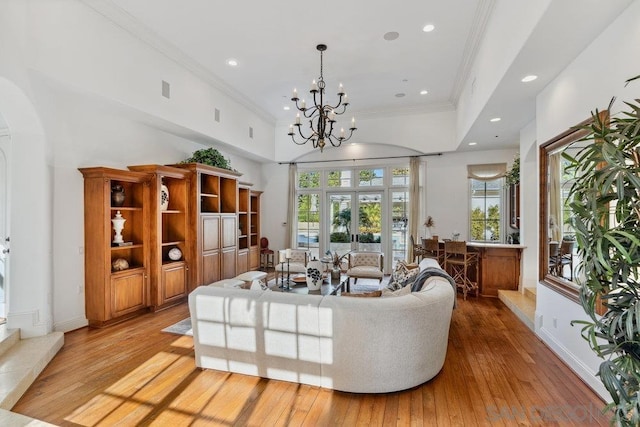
x,y
495,55
589,82
73,96
447,188
529,203
431,132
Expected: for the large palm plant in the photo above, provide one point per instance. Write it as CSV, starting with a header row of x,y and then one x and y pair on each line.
x,y
605,201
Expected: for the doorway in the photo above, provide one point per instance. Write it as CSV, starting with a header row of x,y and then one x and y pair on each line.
x,y
4,217
355,221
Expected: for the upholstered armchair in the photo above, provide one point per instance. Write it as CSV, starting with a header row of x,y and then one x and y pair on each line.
x,y
366,265
297,262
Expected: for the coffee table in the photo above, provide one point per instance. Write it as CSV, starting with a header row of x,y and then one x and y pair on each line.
x,y
327,288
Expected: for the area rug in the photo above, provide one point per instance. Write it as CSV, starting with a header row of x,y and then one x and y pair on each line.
x,y
183,327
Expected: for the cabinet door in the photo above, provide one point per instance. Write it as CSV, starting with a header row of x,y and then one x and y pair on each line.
x,y
229,263
243,261
174,281
254,258
210,267
210,233
229,231
128,292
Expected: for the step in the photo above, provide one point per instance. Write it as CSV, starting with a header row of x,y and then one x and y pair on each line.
x,y
531,292
21,364
8,418
8,337
522,306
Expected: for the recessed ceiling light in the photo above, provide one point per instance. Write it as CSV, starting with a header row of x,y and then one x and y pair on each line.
x,y
391,35
428,28
399,95
287,108
424,92
232,62
529,78
495,119
473,143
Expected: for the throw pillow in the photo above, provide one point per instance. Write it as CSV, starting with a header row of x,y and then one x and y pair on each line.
x,y
362,295
402,276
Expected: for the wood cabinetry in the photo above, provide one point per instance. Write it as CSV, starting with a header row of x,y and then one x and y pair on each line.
x,y
213,194
168,230
254,229
210,218
112,295
499,267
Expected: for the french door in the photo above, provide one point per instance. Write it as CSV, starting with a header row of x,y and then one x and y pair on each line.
x,y
355,221
4,221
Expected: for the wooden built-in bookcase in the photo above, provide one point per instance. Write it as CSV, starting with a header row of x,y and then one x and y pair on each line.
x,y
168,229
212,219
112,295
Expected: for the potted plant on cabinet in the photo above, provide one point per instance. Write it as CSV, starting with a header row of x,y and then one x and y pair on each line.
x,y
605,205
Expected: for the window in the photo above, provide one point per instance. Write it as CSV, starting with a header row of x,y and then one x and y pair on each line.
x,y
339,179
308,234
486,210
400,177
370,178
309,179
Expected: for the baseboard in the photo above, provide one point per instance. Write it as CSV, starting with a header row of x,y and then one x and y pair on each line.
x,y
71,325
575,364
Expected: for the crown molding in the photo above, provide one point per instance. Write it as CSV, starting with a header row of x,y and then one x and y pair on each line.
x,y
124,20
478,27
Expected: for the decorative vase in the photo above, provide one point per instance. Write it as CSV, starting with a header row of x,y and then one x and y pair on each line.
x,y
314,274
118,225
175,254
335,275
117,195
164,198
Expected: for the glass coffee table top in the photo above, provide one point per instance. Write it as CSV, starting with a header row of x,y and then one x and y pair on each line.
x,y
299,286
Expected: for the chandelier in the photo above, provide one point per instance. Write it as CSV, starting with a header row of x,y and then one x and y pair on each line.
x,y
322,118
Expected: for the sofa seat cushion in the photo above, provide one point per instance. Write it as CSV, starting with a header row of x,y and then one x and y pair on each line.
x,y
250,276
365,272
294,267
228,283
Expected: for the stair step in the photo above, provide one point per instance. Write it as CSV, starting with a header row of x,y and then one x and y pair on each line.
x,y
8,338
8,418
21,364
522,306
531,292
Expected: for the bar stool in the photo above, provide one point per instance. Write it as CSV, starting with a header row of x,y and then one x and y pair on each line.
x,y
266,254
457,261
431,249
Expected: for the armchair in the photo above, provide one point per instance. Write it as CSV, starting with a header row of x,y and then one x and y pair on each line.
x,y
297,262
366,265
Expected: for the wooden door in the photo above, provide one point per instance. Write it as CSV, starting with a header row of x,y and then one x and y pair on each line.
x,y
210,267
229,256
174,281
128,292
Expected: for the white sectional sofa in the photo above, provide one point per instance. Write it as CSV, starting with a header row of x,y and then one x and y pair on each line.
x,y
362,345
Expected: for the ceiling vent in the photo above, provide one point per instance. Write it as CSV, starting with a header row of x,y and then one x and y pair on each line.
x,y
216,115
166,89
250,132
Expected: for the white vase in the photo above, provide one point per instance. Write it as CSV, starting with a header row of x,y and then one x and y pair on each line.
x,y
164,198
118,225
314,274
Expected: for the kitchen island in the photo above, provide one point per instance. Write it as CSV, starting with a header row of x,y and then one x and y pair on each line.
x,y
499,267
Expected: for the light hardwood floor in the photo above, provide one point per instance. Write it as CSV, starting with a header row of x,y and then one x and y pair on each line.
x,y
496,373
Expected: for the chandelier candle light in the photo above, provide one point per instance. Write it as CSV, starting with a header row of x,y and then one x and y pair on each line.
x,y
322,118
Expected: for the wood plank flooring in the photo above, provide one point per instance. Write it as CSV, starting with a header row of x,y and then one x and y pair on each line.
x,y
496,373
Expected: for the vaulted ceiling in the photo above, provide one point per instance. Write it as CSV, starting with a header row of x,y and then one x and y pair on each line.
x,y
376,49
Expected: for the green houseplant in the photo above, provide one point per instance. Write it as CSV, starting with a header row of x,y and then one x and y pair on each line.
x,y
211,157
605,205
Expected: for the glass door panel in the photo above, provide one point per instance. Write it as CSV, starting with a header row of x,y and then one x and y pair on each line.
x,y
400,219
340,221
308,236
369,236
